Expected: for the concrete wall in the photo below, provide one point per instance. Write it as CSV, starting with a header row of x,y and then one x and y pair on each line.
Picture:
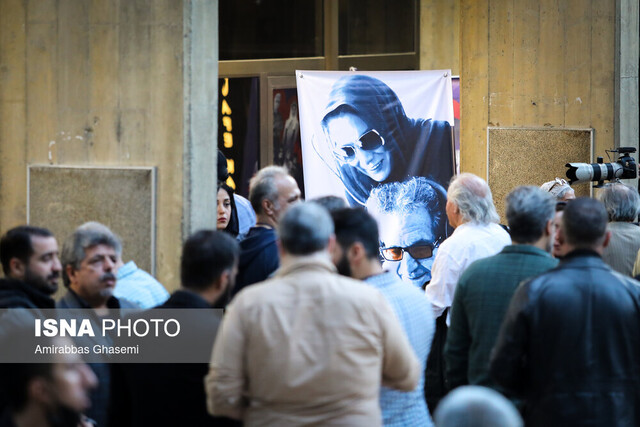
x,y
94,82
440,35
535,63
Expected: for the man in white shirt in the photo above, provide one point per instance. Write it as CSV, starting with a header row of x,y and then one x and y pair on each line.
x,y
477,234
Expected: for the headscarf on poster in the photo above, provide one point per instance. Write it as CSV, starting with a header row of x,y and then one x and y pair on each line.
x,y
366,135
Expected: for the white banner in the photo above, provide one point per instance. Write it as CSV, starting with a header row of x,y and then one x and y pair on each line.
x,y
372,132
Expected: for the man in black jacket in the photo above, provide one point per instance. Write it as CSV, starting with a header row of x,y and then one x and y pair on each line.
x,y
570,342
173,394
29,257
271,192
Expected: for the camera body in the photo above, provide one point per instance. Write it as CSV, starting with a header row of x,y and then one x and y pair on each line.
x,y
624,168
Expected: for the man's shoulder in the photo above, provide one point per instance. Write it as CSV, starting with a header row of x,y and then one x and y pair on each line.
x,y
333,285
389,283
69,300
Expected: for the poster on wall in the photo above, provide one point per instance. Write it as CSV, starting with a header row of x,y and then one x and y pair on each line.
x,y
286,132
383,140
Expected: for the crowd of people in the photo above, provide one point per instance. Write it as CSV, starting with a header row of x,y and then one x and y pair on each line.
x,y
330,321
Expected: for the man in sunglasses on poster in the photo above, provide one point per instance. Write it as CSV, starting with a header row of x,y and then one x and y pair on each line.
x,y
411,228
374,142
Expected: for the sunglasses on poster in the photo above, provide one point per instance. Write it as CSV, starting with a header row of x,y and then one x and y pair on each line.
x,y
421,251
369,141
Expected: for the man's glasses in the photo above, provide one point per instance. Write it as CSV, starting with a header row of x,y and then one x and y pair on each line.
x,y
559,182
370,140
416,251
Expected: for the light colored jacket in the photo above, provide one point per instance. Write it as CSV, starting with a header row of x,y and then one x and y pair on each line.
x,y
308,347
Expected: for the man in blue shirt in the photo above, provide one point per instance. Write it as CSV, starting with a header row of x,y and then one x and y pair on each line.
x,y
356,255
138,286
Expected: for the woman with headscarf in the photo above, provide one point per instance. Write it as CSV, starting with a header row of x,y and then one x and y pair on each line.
x,y
227,218
374,142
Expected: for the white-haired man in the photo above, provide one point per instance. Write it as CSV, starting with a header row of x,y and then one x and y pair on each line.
x,y
477,235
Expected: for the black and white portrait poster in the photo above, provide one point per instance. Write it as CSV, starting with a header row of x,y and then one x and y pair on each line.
x,y
383,140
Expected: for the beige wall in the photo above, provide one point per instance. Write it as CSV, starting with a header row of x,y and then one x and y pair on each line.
x,y
94,82
440,35
535,63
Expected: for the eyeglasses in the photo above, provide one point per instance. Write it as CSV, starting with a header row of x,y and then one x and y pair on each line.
x,y
396,253
370,140
560,182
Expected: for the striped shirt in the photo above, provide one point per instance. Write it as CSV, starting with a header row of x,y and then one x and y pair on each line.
x,y
415,315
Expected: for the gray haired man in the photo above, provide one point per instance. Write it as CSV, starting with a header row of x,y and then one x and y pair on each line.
x,y
271,192
308,347
622,203
486,287
89,257
477,234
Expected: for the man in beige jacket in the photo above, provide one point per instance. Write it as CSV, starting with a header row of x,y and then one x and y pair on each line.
x,y
308,346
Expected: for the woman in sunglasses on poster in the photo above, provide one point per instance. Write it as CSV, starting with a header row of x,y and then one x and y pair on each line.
x,y
374,142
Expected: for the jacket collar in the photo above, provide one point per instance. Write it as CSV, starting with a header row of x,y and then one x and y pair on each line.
x,y
318,261
583,258
30,292
184,298
525,249
75,301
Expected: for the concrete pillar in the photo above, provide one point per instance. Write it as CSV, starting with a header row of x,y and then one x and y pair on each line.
x,y
200,114
627,63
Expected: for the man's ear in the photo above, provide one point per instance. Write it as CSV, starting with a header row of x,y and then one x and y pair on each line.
x,y
17,268
356,253
607,239
267,207
71,272
332,245
223,281
549,228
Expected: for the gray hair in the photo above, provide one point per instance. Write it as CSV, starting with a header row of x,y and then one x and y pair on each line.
x,y
528,211
472,195
622,201
476,406
406,197
557,188
305,228
263,186
86,236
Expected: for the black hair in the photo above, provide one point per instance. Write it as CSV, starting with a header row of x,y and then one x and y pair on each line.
x,y
205,255
331,203
584,222
356,225
233,227
16,243
223,172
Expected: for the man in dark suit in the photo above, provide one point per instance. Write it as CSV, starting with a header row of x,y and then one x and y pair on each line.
x,y
569,343
172,394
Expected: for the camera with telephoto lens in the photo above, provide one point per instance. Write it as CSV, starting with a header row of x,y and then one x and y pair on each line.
x,y
624,168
